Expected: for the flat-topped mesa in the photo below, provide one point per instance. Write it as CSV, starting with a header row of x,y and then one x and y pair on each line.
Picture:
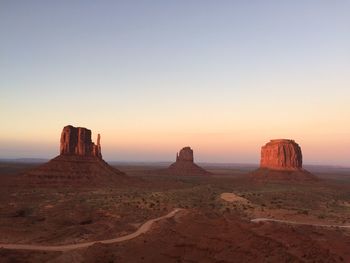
x,y
185,155
281,154
77,141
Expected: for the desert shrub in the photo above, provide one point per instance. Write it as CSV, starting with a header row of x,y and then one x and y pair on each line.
x,y
304,212
23,212
86,222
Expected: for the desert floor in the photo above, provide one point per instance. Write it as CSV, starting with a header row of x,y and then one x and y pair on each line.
x,y
214,225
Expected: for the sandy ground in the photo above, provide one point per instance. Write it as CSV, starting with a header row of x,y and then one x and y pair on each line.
x,y
231,197
214,226
142,229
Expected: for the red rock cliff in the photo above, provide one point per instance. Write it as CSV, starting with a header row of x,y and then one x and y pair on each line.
x,y
77,141
281,154
185,155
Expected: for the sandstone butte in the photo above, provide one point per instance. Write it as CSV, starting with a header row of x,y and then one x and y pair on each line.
x,y
281,154
77,141
282,159
185,165
80,161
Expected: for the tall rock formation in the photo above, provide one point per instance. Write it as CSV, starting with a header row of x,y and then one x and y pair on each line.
x,y
97,148
80,161
77,141
185,155
281,154
185,165
282,159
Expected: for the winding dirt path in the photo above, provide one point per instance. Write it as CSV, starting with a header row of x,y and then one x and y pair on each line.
x,y
256,220
142,229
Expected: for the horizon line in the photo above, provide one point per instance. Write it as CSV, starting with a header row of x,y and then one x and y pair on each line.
x,y
33,160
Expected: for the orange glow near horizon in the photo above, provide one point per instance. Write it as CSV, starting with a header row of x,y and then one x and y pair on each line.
x,y
237,146
150,82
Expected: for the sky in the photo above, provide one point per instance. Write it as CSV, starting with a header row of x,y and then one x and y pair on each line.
x,y
223,77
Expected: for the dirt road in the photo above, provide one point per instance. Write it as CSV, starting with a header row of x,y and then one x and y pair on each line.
x,y
142,229
256,220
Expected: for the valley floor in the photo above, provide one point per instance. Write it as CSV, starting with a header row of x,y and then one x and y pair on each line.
x,y
212,227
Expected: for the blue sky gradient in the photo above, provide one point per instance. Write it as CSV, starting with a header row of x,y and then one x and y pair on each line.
x,y
153,76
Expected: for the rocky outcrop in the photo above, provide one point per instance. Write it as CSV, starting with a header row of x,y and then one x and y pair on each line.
x,y
281,154
79,163
77,141
185,165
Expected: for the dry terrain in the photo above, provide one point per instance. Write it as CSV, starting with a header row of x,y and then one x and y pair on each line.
x,y
214,226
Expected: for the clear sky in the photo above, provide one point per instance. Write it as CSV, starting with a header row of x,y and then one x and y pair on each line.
x,y
224,77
